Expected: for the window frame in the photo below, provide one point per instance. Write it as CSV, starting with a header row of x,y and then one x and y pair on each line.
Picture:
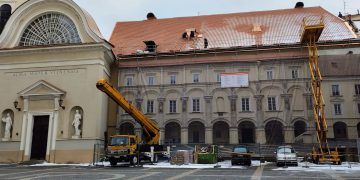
x,y
272,103
245,104
294,73
335,90
131,82
269,75
151,80
195,77
196,105
357,89
337,109
172,79
172,106
150,106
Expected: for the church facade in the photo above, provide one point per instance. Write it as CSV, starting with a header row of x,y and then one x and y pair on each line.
x,y
51,55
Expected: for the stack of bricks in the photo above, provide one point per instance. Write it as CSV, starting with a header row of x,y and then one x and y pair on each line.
x,y
182,157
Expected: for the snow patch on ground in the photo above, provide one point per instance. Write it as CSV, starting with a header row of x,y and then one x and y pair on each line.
x,y
224,164
306,166
54,164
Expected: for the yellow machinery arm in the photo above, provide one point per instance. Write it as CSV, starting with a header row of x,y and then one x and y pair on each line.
x,y
311,32
151,130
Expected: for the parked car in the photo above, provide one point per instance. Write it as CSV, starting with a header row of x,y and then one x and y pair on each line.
x,y
241,155
286,155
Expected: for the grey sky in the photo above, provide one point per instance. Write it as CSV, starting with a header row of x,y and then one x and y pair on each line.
x,y
107,12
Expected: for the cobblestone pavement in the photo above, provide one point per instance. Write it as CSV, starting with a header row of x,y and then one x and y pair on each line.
x,y
133,173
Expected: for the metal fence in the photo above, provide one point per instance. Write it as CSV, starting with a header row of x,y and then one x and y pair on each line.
x,y
99,154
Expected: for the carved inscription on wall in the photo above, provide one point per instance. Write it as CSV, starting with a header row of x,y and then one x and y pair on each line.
x,y
57,72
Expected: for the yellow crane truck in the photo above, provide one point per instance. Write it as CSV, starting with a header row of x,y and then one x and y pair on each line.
x,y
130,148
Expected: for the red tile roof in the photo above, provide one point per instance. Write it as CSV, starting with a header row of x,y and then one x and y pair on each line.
x,y
225,30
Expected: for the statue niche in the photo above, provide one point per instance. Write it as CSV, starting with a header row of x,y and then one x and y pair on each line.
x,y
76,120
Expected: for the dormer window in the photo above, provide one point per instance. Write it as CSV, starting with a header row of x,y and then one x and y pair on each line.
x,y
150,46
189,33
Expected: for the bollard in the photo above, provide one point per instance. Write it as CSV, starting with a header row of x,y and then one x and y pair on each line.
x,y
152,153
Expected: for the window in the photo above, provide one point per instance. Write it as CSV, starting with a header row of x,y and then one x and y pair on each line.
x,y
359,108
150,106
196,105
335,90
129,81
51,28
294,74
172,106
337,108
172,79
218,77
245,105
196,77
151,80
271,103
357,89
269,75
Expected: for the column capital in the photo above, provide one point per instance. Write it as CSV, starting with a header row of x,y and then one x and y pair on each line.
x,y
161,99
184,98
259,96
232,97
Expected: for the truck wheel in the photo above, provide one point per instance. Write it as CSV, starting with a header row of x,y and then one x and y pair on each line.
x,y
113,162
133,160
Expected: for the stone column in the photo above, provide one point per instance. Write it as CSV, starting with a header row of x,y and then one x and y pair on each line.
x,y
138,131
260,131
54,129
208,108
352,132
184,135
23,129
289,135
287,112
260,135
234,139
208,135
184,101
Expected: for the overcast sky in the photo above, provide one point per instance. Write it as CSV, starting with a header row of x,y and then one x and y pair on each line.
x,y
107,12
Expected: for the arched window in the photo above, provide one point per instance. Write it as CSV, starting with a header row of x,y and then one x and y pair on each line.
x,y
5,13
340,130
51,28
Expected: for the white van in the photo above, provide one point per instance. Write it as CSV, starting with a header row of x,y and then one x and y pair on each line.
x,y
286,155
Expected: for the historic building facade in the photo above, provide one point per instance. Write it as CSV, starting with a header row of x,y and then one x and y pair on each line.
x,y
51,55
171,69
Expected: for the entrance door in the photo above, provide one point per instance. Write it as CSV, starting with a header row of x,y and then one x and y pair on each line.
x,y
247,135
40,136
196,137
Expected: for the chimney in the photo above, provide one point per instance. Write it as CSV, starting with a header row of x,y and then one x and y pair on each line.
x,y
299,5
150,16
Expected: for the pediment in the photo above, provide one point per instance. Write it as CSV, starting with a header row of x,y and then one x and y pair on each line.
x,y
41,88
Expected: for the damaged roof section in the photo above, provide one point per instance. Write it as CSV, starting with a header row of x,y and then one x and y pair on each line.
x,y
261,28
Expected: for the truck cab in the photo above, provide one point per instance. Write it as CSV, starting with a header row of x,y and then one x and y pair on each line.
x,y
120,148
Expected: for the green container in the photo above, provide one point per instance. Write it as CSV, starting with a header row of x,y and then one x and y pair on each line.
x,y
207,158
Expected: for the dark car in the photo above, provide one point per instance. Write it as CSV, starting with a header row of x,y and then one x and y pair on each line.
x,y
241,155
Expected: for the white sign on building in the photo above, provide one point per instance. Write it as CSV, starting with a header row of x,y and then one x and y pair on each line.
x,y
234,80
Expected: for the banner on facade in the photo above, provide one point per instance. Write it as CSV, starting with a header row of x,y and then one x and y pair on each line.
x,y
234,80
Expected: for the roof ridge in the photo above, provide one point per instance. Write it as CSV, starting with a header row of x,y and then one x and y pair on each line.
x,y
224,14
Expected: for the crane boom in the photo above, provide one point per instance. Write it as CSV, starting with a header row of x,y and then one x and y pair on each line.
x,y
311,33
151,130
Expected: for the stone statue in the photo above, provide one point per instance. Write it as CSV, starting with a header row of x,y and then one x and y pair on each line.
x,y
8,123
76,123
